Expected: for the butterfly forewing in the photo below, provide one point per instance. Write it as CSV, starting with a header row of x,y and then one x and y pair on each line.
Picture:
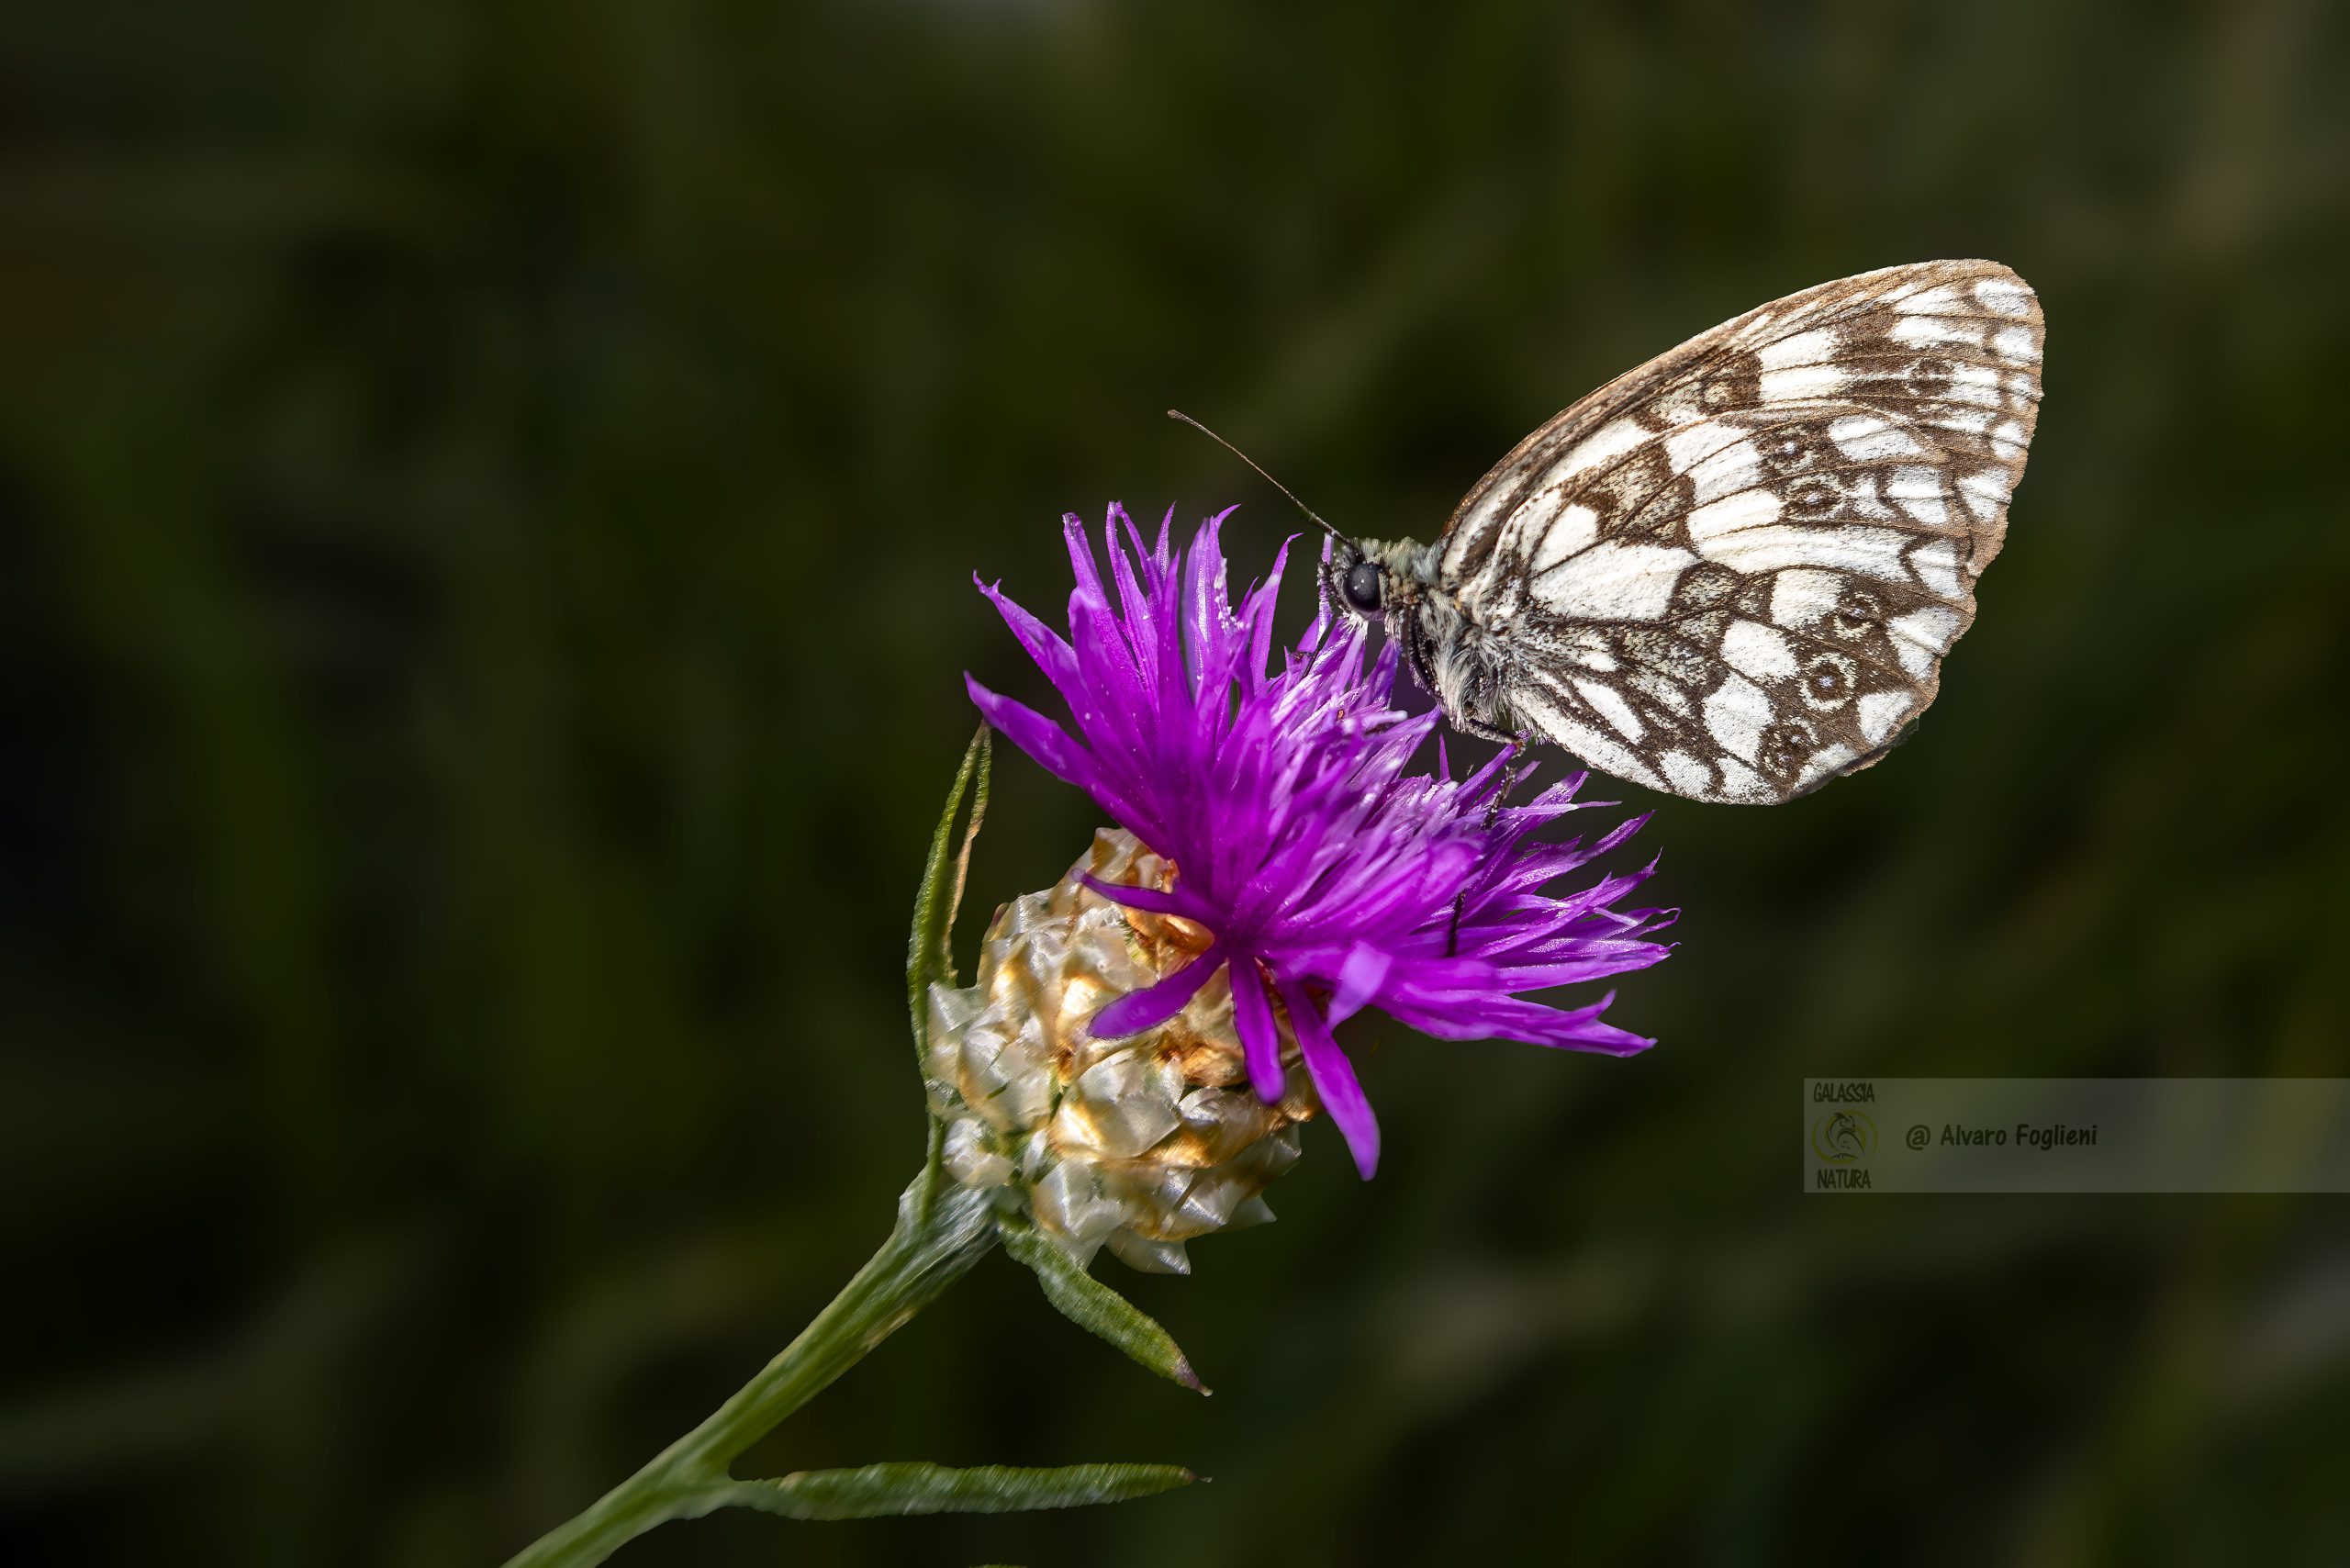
x,y
1733,572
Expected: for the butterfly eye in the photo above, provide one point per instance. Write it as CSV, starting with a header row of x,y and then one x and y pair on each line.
x,y
1360,588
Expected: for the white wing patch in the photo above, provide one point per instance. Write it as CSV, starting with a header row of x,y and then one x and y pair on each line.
x,y
1734,513
1734,572
1758,650
1613,580
1575,529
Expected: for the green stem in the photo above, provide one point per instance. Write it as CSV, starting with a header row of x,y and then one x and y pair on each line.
x,y
939,1235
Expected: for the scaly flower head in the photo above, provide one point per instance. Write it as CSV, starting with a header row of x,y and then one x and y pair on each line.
x,y
1326,875
1141,1143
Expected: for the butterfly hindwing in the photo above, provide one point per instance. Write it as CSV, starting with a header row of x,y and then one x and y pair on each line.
x,y
1733,572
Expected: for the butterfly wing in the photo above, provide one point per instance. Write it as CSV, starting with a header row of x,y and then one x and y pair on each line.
x,y
1733,572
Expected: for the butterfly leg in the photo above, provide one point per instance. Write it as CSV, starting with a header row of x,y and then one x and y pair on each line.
x,y
1485,729
1493,814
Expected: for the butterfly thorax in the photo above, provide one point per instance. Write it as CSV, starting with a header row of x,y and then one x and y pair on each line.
x,y
1407,567
1443,644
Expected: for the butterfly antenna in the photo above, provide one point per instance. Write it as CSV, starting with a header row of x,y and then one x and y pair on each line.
x,y
1276,484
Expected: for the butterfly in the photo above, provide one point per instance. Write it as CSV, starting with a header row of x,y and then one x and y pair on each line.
x,y
1732,574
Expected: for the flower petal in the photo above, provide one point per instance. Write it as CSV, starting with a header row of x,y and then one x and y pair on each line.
x,y
1359,978
1035,734
1153,900
1334,1079
1260,1041
1154,1004
1040,642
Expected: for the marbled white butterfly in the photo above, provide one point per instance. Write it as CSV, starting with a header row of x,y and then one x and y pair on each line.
x,y
1732,574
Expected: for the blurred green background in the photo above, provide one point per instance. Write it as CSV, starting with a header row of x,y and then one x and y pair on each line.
x,y
492,492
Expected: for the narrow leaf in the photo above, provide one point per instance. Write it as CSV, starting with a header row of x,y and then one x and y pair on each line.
x,y
927,956
879,1491
1096,1308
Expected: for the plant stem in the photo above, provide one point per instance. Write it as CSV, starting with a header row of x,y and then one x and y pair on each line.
x,y
939,1235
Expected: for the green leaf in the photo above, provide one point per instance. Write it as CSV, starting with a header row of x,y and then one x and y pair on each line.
x,y
927,956
879,1491
1096,1308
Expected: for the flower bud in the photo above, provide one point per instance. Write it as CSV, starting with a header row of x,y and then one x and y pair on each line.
x,y
1139,1143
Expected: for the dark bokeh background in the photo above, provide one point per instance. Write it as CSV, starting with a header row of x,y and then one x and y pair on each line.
x,y
491,497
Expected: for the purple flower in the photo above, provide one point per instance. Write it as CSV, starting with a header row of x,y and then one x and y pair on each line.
x,y
1327,873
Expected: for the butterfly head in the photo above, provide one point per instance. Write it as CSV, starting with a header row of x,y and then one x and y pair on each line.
x,y
1372,579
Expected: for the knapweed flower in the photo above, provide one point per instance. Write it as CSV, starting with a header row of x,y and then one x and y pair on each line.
x,y
1323,873
1121,1071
